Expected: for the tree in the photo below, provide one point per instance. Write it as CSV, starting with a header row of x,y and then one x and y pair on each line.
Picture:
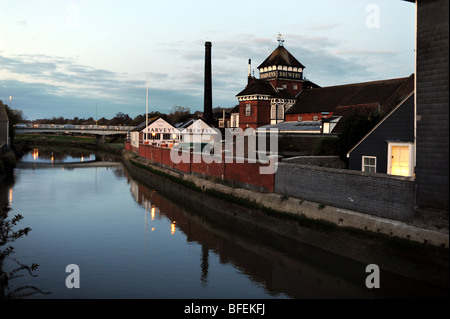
x,y
179,114
354,128
121,119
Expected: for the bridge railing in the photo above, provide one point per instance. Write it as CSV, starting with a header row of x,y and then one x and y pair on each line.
x,y
74,127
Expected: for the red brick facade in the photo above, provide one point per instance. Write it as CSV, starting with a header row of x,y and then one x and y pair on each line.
x,y
307,117
241,173
259,114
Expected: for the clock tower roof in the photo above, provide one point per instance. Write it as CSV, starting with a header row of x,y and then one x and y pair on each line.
x,y
281,56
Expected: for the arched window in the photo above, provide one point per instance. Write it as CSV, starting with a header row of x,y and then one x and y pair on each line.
x,y
277,112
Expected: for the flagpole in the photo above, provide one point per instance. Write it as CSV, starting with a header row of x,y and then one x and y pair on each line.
x,y
146,106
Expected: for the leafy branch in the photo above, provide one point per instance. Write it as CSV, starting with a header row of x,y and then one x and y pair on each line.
x,y
7,236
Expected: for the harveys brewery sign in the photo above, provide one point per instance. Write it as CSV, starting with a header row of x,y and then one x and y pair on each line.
x,y
159,126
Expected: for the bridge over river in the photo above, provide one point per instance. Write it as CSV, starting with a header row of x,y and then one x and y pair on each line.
x,y
100,131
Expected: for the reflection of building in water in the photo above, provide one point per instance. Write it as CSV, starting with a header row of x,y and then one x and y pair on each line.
x,y
296,275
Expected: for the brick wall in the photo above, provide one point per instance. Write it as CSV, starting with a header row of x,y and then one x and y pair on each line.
x,y
260,114
432,89
241,174
376,194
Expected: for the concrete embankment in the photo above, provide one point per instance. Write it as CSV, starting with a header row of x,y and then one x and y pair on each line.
x,y
400,248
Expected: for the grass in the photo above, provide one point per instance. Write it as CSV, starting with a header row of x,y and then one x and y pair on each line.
x,y
70,141
54,138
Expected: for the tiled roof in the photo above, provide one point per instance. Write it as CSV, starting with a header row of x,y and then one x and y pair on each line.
x,y
235,109
257,86
281,56
141,126
328,99
306,126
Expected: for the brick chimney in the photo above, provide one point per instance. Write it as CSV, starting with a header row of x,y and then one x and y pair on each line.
x,y
207,102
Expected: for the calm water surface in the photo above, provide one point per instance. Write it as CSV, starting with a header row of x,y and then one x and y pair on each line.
x,y
130,242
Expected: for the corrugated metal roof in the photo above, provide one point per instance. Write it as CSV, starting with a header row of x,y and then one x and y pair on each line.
x,y
294,127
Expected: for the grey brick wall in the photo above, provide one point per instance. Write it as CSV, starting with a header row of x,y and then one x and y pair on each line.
x,y
432,104
376,194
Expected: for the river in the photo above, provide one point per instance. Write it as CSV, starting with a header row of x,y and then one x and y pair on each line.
x,y
130,241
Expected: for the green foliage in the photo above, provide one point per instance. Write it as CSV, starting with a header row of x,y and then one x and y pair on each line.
x,y
9,235
354,128
326,146
179,114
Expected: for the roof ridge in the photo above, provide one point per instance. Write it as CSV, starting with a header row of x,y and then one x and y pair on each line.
x,y
363,83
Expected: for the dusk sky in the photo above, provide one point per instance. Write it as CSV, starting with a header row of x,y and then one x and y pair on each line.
x,y
90,58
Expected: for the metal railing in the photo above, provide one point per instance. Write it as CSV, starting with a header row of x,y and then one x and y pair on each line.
x,y
72,127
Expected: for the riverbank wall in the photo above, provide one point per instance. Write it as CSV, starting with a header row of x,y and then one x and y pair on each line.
x,y
382,198
263,214
293,206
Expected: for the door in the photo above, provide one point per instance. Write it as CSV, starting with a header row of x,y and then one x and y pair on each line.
x,y
400,161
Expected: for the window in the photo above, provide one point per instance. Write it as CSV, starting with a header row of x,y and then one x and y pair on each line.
x,y
400,159
248,109
167,136
284,86
154,136
300,118
295,87
277,112
369,164
315,118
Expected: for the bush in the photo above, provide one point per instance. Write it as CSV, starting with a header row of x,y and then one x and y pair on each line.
x,y
326,146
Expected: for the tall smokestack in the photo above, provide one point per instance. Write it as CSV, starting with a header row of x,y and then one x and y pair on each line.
x,y
207,105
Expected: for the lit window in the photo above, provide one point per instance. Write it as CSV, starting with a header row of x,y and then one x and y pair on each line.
x,y
400,159
155,136
369,164
295,87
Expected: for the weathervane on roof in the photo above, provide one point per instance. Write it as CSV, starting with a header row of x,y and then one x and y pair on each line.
x,y
280,40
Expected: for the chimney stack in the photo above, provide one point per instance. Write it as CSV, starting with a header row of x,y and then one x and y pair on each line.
x,y
207,103
249,78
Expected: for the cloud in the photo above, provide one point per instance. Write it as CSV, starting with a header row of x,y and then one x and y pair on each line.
x,y
323,27
47,86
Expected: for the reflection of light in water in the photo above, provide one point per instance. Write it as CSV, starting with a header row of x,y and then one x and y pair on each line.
x,y
172,228
153,228
35,154
10,196
153,213
82,158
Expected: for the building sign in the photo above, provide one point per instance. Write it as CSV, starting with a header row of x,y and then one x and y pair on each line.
x,y
159,126
281,74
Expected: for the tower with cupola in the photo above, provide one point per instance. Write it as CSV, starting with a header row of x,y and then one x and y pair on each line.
x,y
265,100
